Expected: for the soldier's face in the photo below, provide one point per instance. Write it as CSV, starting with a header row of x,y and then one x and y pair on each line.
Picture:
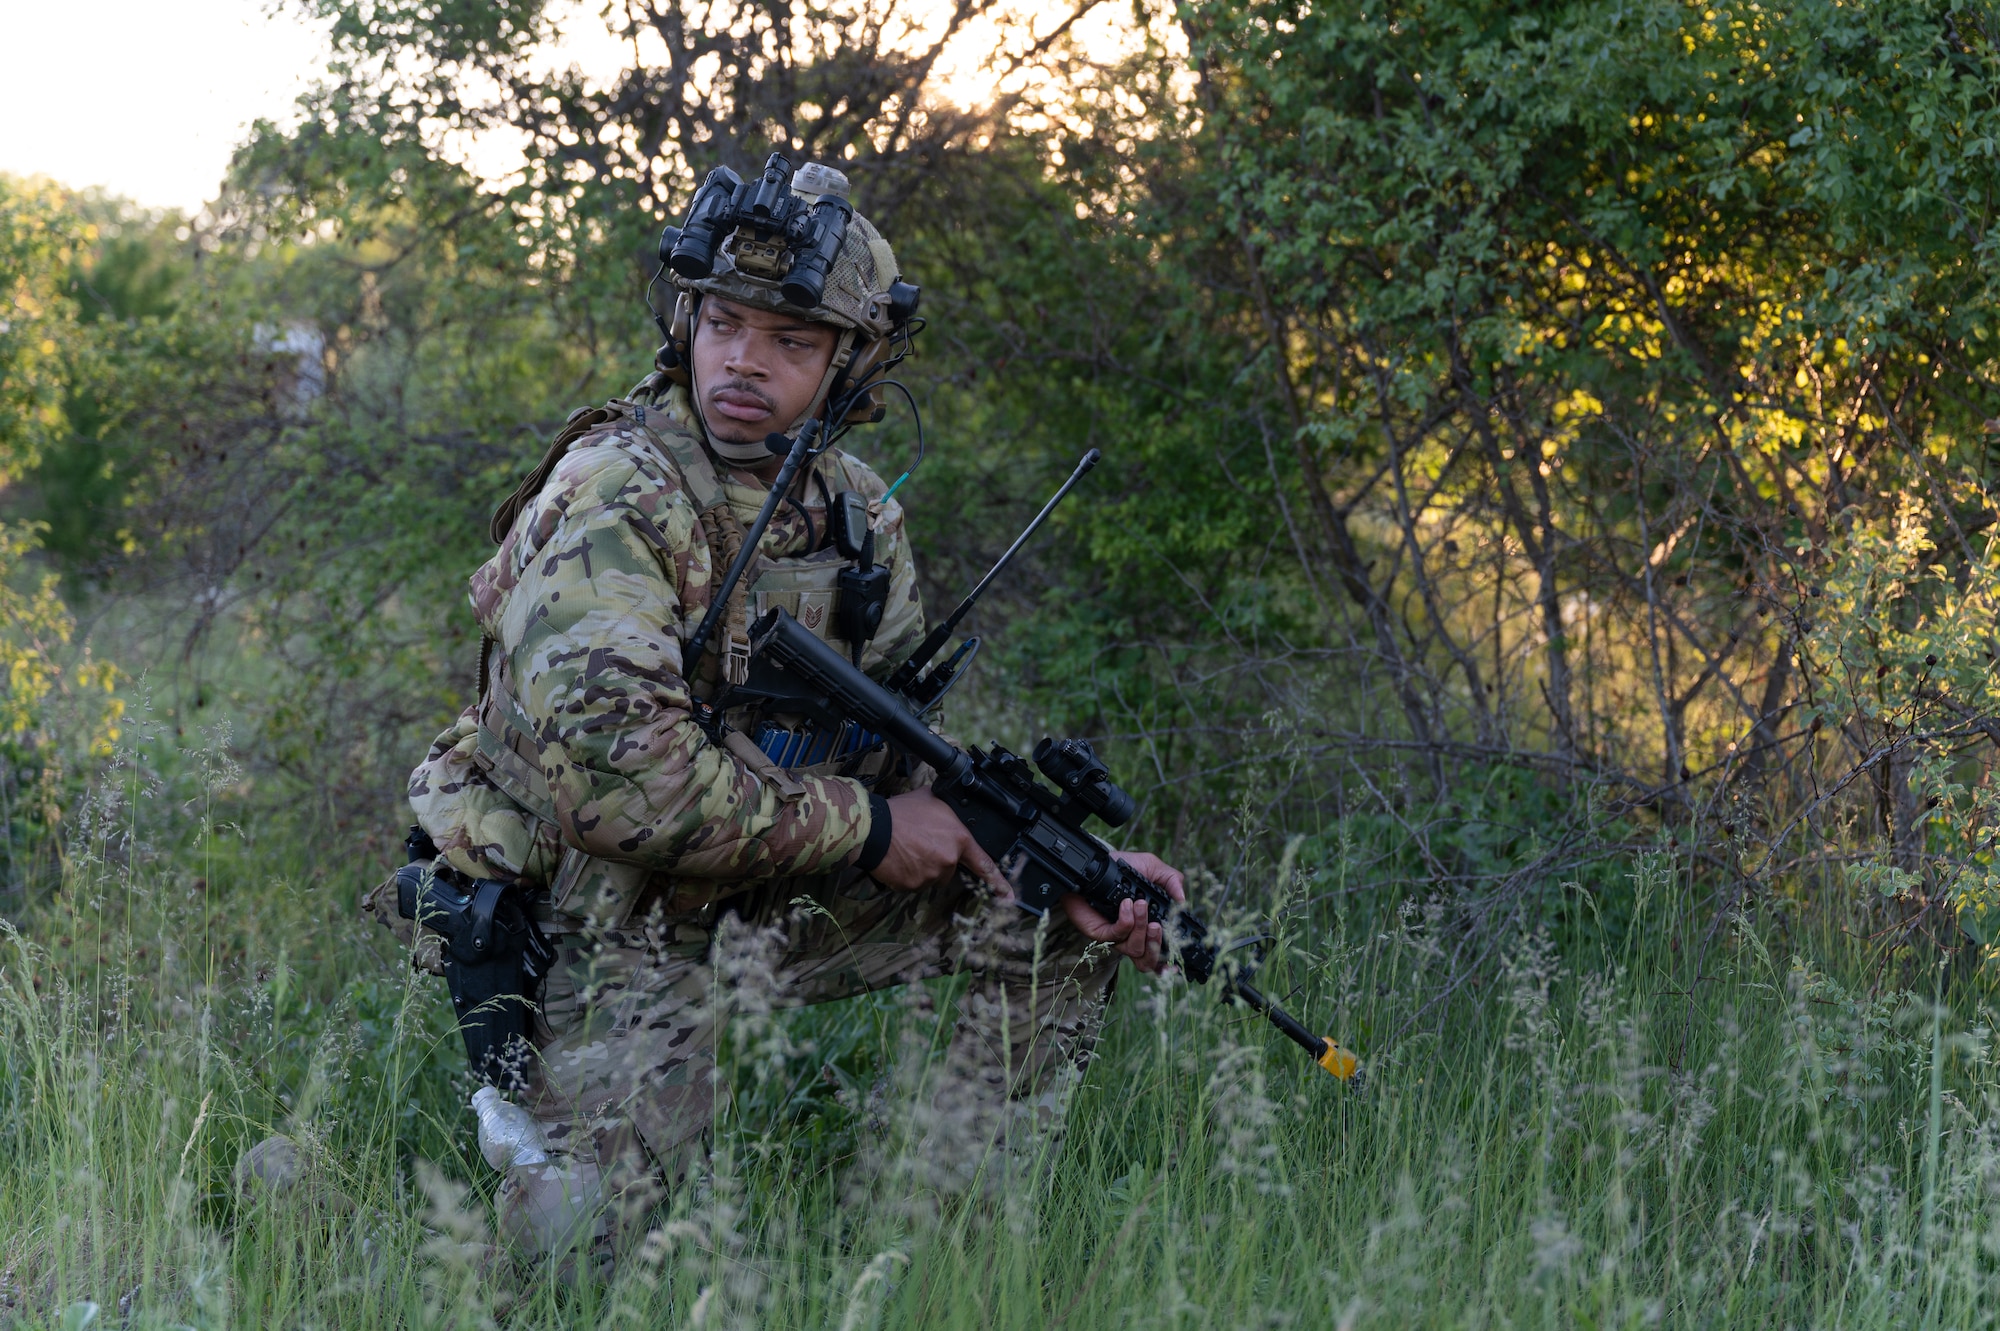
x,y
756,370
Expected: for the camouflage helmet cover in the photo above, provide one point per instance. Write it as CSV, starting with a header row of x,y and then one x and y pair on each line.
x,y
856,293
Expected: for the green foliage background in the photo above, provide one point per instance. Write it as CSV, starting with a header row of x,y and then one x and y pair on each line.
x,y
1544,443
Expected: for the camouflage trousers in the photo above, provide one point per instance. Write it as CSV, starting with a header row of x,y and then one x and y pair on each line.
x,y
626,1084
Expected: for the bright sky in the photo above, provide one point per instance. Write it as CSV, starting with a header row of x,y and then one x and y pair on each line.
x,y
148,98
145,97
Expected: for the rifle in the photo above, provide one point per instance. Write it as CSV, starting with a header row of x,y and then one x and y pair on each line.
x,y
1036,835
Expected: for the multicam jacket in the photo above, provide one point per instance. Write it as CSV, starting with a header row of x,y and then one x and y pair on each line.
x,y
583,743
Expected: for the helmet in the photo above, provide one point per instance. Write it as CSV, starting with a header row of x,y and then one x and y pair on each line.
x,y
789,242
856,292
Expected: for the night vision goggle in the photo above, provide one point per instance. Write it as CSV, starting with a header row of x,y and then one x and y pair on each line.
x,y
780,235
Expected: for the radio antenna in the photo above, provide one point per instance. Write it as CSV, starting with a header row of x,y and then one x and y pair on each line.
x,y
906,674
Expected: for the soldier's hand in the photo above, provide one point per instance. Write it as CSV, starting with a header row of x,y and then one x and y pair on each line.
x,y
928,844
1132,933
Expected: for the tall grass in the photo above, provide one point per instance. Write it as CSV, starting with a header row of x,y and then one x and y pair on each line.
x,y
1687,1124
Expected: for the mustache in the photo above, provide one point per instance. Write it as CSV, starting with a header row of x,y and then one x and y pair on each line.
x,y
743,386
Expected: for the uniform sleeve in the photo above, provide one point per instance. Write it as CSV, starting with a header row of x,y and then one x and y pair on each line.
x,y
477,829
598,672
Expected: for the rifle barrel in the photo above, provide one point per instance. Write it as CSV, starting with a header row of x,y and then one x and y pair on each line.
x,y
1325,1052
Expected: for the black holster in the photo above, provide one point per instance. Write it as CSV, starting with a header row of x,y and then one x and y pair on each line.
x,y
495,958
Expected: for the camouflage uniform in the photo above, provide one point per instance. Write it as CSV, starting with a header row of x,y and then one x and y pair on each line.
x,y
581,774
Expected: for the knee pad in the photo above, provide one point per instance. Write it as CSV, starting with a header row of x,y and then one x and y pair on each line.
x,y
550,1208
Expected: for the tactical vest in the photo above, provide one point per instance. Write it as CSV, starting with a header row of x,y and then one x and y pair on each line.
x,y
775,747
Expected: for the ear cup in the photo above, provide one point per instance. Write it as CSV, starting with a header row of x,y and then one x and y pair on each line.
x,y
673,357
